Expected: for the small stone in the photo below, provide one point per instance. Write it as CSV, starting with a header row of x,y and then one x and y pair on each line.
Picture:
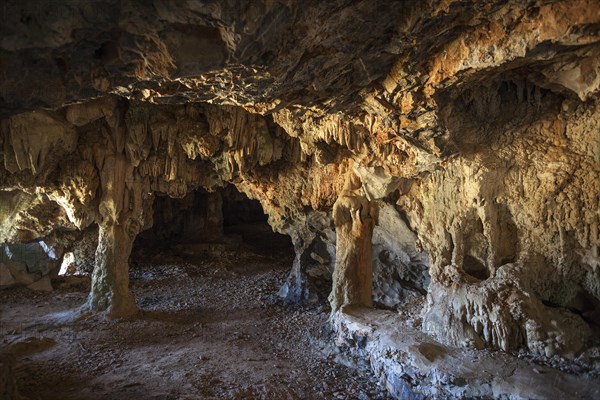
x,y
43,284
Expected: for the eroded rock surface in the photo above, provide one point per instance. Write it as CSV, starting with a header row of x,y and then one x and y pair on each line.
x,y
414,366
469,133
30,264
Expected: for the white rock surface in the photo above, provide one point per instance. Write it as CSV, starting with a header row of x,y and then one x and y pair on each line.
x,y
414,366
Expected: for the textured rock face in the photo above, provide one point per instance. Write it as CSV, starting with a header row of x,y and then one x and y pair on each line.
x,y
519,223
469,135
412,365
400,269
354,217
28,264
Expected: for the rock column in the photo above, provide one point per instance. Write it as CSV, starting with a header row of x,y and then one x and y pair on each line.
x,y
354,217
110,280
122,210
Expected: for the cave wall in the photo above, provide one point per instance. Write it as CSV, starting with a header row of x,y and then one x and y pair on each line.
x,y
453,148
519,222
32,264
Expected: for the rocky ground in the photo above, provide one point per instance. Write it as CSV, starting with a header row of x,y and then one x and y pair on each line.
x,y
209,327
416,366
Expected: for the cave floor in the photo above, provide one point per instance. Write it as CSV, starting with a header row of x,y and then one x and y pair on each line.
x,y
208,327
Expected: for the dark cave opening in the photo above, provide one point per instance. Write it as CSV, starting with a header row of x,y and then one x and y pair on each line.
x,y
211,221
475,268
246,219
213,253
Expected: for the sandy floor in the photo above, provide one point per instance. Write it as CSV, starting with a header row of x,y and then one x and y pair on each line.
x,y
209,327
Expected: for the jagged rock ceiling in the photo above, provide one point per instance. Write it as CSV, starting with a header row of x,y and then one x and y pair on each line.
x,y
461,138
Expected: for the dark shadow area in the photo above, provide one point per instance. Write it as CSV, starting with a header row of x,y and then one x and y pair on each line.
x,y
246,219
476,248
210,222
196,218
475,268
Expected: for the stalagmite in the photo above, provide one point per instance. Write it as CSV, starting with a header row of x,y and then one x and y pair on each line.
x,y
121,212
354,217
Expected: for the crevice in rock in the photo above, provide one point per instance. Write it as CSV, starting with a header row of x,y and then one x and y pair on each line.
x,y
475,268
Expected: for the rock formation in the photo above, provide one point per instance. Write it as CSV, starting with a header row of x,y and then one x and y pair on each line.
x,y
451,147
354,217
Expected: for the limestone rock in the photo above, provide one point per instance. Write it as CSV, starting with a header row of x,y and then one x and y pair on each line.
x,y
84,251
310,279
6,277
471,129
29,264
42,284
400,269
354,217
413,365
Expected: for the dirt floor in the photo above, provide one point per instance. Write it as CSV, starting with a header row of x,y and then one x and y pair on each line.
x,y
209,327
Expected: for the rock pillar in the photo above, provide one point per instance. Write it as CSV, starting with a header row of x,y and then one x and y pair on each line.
x,y
354,217
110,280
121,214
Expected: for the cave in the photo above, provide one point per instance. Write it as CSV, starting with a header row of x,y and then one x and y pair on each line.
x,y
315,200
203,223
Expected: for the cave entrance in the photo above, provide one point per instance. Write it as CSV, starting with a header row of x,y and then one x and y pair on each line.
x,y
211,222
208,233
245,219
